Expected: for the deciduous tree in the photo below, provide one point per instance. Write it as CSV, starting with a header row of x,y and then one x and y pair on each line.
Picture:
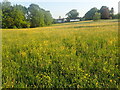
x,y
36,16
72,14
89,15
105,13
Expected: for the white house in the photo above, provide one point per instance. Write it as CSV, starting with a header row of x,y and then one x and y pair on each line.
x,y
74,20
60,20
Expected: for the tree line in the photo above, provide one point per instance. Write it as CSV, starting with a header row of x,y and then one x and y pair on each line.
x,y
103,13
18,16
94,14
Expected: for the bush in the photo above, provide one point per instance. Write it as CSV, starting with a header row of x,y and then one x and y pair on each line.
x,y
25,24
14,27
96,16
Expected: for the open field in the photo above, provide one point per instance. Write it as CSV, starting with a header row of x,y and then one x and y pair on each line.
x,y
80,54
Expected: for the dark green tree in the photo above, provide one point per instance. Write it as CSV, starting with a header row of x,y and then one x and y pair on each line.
x,y
0,15
36,15
112,13
73,14
89,15
19,18
23,9
105,13
7,19
48,18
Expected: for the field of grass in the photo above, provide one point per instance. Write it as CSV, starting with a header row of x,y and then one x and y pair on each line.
x,y
69,55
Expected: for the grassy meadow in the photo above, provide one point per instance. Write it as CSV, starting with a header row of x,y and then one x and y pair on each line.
x,y
68,55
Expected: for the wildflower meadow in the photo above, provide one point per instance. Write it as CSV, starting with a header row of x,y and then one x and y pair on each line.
x,y
69,55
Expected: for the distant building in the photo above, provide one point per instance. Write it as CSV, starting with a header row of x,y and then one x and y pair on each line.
x,y
62,20
74,20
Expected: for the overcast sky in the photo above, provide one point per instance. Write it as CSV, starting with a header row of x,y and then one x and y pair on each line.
x,y
61,7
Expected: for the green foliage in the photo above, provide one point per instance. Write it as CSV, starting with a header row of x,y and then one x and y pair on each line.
x,y
116,16
105,13
7,20
119,16
47,18
18,16
90,14
62,56
0,15
112,13
72,14
82,19
6,4
22,8
36,16
97,16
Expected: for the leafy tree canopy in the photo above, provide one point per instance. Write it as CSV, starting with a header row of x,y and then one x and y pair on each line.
x,y
72,14
89,15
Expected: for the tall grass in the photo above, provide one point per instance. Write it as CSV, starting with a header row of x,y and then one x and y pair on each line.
x,y
78,55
